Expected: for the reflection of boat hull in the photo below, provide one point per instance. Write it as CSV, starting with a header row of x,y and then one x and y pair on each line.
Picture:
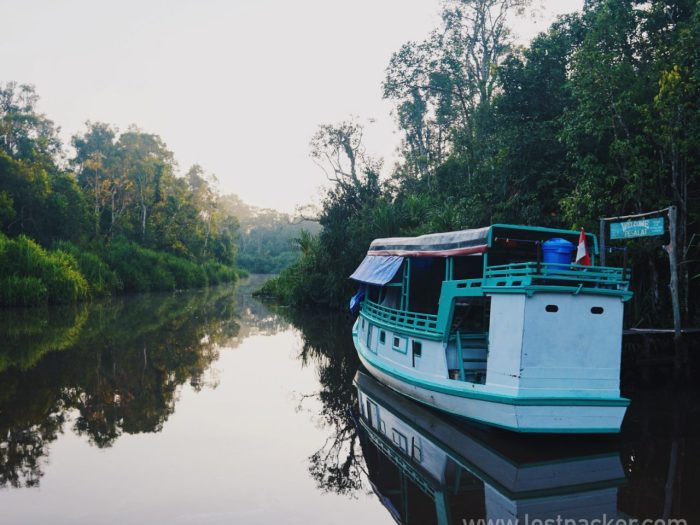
x,y
533,477
467,400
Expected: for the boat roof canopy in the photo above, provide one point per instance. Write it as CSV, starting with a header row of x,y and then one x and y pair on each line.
x,y
385,256
463,242
466,242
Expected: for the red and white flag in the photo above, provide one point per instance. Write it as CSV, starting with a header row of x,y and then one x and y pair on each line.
x,y
582,256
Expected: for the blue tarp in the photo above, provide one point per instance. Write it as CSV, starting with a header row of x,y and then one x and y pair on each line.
x,y
377,269
356,300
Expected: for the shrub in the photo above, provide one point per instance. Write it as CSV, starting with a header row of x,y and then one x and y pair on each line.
x,y
22,291
138,268
143,270
219,273
42,275
186,273
100,277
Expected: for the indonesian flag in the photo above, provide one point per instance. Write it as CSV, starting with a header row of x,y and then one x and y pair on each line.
x,y
582,256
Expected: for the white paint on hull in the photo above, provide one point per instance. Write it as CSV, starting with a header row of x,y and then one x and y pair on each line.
x,y
520,418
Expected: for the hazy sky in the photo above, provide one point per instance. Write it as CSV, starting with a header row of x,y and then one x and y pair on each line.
x,y
238,86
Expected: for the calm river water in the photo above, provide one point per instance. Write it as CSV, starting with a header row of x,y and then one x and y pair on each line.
x,y
209,407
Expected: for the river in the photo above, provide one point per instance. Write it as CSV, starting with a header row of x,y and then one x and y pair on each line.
x,y
210,407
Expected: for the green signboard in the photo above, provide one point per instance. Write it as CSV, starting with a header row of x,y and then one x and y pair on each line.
x,y
640,228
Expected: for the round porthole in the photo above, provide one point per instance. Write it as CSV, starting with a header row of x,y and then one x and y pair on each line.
x,y
551,308
597,310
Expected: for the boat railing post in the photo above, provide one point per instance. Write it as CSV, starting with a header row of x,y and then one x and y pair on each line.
x,y
460,355
602,242
538,244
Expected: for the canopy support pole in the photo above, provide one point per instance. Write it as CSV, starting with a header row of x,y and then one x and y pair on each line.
x,y
405,283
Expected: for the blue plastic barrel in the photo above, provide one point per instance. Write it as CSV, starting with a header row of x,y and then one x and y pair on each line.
x,y
557,251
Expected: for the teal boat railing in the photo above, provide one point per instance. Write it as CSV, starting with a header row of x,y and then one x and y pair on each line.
x,y
415,322
540,273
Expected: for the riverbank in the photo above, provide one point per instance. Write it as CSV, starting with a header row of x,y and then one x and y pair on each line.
x,y
33,275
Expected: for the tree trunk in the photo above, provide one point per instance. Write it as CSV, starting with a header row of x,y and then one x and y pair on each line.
x,y
144,212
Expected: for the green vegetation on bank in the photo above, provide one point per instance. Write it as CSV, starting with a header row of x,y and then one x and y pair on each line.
x,y
598,116
112,217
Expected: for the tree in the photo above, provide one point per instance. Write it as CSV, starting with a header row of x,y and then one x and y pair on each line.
x,y
26,134
94,161
445,84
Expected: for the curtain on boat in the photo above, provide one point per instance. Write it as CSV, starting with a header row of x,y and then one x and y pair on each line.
x,y
377,269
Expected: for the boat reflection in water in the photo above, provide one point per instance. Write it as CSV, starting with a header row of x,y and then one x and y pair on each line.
x,y
414,455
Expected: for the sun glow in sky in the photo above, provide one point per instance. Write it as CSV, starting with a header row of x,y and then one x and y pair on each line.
x,y
238,86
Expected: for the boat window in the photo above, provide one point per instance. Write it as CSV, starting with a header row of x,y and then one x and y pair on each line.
x,y
427,274
382,337
551,308
399,439
399,344
468,267
417,347
416,451
416,351
597,310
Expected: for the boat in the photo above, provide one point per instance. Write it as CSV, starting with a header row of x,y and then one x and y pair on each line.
x,y
497,325
425,468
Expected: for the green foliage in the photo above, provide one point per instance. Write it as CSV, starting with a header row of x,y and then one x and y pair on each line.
x,y
217,273
144,270
100,277
39,274
22,291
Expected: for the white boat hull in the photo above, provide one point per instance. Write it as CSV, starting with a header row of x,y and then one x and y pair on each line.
x,y
551,416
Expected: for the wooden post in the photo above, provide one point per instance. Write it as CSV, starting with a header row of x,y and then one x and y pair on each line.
x,y
672,250
602,242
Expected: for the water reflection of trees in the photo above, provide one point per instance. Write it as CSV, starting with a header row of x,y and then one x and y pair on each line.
x,y
327,344
116,365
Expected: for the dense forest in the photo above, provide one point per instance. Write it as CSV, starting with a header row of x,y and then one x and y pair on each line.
x,y
111,216
267,239
598,116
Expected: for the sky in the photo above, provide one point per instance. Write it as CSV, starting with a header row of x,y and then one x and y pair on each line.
x,y
237,86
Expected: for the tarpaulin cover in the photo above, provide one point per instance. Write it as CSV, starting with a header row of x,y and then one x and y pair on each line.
x,y
356,300
377,269
461,242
